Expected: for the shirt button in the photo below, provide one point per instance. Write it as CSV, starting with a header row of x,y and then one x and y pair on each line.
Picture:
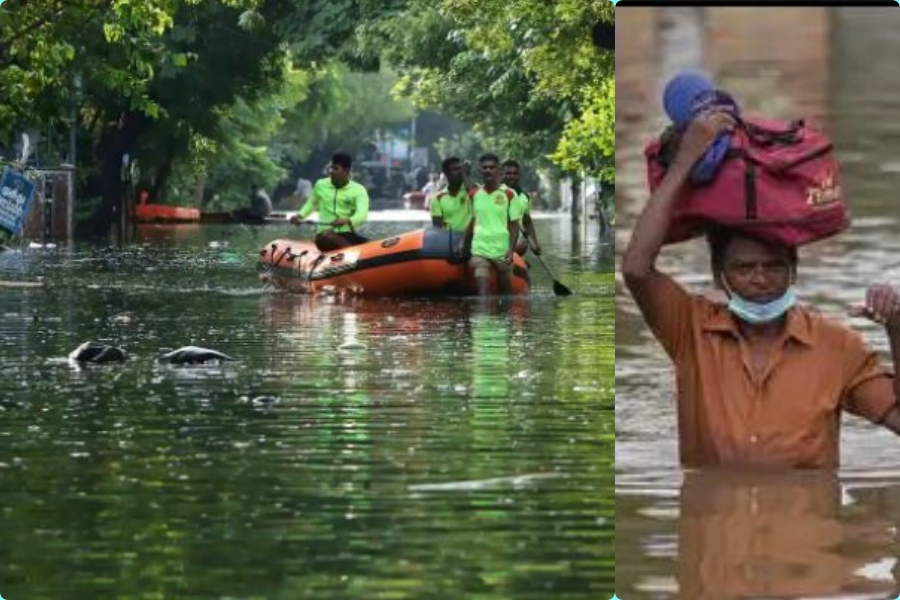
x,y
754,439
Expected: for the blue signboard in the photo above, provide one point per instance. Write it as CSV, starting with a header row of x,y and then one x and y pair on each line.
x,y
16,193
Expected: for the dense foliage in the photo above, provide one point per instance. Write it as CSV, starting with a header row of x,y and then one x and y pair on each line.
x,y
210,97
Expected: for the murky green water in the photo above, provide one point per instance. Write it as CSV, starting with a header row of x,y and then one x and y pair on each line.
x,y
741,535
465,451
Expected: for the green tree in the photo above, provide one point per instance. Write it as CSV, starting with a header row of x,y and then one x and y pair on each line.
x,y
525,73
159,77
222,91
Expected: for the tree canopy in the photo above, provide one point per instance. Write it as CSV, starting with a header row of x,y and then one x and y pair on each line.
x,y
525,72
217,93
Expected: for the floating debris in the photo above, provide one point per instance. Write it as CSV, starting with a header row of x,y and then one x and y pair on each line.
x,y
193,355
483,484
351,345
91,352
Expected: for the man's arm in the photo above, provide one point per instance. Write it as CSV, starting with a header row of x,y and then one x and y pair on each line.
x,y
362,208
530,233
311,204
892,419
639,260
894,339
465,245
527,224
883,307
437,215
515,213
513,238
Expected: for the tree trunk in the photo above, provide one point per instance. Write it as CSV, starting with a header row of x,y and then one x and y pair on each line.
x,y
162,177
199,188
576,199
111,183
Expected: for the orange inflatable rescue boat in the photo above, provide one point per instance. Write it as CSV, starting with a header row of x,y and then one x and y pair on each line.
x,y
163,213
418,263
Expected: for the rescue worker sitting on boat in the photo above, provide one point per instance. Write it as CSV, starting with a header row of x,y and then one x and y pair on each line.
x,y
452,207
342,204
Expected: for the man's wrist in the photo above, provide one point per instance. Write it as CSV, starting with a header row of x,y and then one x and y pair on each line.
x,y
680,168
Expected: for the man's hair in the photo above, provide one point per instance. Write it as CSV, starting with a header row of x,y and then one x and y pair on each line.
x,y
449,162
342,159
489,156
511,163
719,237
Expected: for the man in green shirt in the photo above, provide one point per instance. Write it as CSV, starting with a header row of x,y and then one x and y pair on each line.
x,y
342,204
451,208
511,174
493,230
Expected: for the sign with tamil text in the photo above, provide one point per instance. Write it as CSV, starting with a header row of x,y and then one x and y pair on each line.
x,y
16,193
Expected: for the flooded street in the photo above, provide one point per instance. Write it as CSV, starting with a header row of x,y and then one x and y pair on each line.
x,y
354,449
723,536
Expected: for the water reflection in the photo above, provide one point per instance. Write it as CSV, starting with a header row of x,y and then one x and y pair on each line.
x,y
745,534
355,449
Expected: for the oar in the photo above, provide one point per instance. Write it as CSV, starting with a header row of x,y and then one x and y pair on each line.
x,y
558,288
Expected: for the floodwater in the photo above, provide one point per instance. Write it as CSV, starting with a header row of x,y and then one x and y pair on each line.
x,y
354,449
730,535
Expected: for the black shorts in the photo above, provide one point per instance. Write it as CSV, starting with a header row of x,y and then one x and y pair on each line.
x,y
352,237
325,241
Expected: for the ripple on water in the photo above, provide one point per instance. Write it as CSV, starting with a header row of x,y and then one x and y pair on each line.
x,y
290,472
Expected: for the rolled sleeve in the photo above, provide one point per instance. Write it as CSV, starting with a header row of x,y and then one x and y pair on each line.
x,y
672,317
869,389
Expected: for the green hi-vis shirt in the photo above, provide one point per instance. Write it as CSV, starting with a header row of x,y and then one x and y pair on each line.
x,y
455,210
523,199
493,213
348,202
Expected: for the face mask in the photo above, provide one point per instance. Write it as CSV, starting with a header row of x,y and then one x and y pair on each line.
x,y
755,312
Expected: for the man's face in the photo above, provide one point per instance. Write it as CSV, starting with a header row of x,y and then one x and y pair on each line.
x,y
756,271
339,175
455,174
511,176
489,171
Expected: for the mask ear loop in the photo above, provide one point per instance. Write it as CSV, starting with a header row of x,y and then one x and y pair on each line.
x,y
725,286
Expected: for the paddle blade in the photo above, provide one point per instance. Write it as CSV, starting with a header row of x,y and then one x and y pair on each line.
x,y
561,290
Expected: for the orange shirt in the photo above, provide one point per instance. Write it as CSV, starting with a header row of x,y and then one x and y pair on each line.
x,y
787,416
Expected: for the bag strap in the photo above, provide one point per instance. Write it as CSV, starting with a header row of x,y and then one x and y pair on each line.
x,y
750,205
767,137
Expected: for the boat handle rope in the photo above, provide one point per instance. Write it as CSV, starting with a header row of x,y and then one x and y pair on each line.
x,y
283,254
312,267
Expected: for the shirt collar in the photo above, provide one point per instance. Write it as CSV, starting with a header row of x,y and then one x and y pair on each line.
x,y
798,327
